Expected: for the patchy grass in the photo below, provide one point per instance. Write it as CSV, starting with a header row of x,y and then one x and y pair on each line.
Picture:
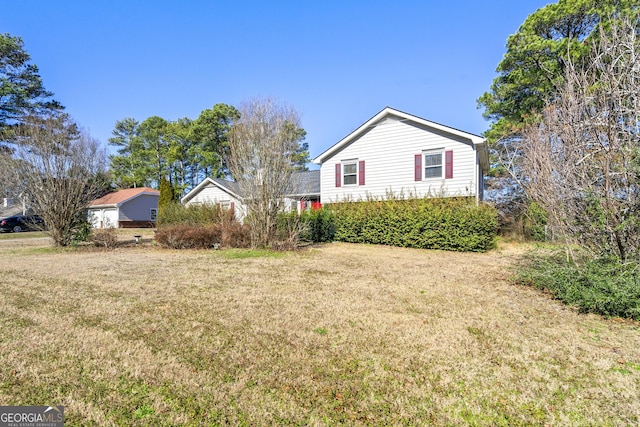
x,y
251,253
22,235
335,335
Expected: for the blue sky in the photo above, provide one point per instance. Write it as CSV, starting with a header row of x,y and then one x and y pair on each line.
x,y
337,62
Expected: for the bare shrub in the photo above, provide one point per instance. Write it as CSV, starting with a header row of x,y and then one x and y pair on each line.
x,y
581,161
189,236
235,235
264,146
106,238
201,226
54,165
291,229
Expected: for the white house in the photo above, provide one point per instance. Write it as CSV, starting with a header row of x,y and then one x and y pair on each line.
x,y
392,153
133,207
219,192
227,193
404,155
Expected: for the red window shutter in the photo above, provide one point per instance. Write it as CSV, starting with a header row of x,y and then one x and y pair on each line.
x,y
232,208
418,167
338,175
448,164
361,173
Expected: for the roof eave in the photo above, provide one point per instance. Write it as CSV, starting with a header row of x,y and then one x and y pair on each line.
x,y
302,194
203,184
195,190
102,206
344,141
475,139
483,153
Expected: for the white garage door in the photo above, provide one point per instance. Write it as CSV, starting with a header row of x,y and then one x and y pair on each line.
x,y
104,218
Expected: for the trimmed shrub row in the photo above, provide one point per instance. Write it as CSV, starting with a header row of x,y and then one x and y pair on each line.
x,y
450,224
321,225
454,224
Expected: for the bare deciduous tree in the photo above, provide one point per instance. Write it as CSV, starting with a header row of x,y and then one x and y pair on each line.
x,y
263,145
581,162
55,165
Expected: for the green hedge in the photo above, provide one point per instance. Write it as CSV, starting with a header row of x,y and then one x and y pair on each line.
x,y
454,224
315,225
195,214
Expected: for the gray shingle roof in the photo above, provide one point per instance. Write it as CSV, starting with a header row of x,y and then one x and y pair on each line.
x,y
306,183
228,185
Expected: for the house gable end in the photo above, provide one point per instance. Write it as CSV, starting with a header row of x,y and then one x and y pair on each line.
x,y
145,193
397,153
389,116
138,208
206,183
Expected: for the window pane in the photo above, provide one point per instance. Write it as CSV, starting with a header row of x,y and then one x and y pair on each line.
x,y
433,159
349,179
350,174
433,172
350,168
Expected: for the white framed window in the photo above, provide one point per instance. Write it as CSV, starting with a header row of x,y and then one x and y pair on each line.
x,y
350,172
153,214
433,164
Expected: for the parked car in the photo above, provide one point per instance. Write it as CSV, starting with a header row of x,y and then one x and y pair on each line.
x,y
19,223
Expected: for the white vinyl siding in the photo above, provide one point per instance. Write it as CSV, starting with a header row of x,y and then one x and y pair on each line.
x,y
212,194
390,148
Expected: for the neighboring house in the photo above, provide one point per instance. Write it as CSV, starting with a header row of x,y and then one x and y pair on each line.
x,y
226,193
306,193
217,191
133,207
404,155
9,208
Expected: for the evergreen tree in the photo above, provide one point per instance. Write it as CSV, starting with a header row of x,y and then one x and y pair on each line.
x,y
22,92
167,194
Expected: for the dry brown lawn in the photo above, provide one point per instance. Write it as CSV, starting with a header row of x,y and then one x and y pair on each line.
x,y
337,334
